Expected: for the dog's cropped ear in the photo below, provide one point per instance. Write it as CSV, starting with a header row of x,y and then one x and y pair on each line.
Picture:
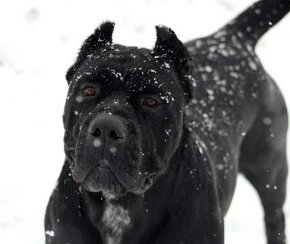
x,y
101,38
169,47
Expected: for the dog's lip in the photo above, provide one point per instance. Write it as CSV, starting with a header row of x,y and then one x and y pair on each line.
x,y
149,180
104,167
71,158
146,183
101,167
70,153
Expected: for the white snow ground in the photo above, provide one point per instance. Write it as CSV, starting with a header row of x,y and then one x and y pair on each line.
x,y
39,40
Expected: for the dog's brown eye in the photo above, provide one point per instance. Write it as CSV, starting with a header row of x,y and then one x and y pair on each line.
x,y
89,91
150,102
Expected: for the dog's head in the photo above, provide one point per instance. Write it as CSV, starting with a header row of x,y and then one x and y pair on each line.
x,y
124,111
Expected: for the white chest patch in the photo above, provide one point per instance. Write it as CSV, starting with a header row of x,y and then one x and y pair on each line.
x,y
116,220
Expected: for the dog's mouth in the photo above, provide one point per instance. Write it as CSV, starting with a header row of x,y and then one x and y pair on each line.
x,y
101,178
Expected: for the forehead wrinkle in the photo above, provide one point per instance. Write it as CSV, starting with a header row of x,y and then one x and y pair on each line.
x,y
123,59
99,75
129,68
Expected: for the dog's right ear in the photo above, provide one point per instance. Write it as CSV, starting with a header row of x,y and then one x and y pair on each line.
x,y
101,38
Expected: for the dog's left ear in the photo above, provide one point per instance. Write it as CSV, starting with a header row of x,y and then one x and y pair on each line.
x,y
101,38
169,47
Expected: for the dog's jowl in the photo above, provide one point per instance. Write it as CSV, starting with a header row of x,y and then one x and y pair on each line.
x,y
154,139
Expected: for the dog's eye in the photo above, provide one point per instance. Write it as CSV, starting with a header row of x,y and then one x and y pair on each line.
x,y
89,91
150,102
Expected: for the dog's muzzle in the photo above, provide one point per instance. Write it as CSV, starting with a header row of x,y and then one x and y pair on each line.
x,y
108,156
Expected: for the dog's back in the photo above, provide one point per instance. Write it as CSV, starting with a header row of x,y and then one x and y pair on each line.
x,y
240,111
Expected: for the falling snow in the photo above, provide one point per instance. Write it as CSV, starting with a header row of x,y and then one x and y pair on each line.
x,y
97,143
35,52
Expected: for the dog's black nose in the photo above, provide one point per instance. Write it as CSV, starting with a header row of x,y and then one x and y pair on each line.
x,y
108,128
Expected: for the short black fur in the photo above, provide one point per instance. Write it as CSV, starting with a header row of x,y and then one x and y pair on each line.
x,y
154,146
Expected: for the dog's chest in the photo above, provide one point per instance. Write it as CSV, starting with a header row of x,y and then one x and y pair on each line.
x,y
116,220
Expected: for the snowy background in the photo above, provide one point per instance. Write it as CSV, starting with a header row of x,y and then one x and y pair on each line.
x,y
38,42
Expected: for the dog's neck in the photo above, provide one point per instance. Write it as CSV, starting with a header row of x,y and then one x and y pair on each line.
x,y
118,215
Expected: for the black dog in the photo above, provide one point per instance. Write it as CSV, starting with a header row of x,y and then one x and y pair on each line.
x,y
154,139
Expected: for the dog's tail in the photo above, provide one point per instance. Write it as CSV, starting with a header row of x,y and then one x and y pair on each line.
x,y
259,18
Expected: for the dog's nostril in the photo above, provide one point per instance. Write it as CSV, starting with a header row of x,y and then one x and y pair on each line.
x,y
96,133
114,136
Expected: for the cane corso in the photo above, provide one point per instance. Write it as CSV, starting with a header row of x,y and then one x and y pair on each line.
x,y
154,139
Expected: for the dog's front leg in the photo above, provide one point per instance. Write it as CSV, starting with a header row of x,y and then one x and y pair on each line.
x,y
197,217
207,228
65,221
